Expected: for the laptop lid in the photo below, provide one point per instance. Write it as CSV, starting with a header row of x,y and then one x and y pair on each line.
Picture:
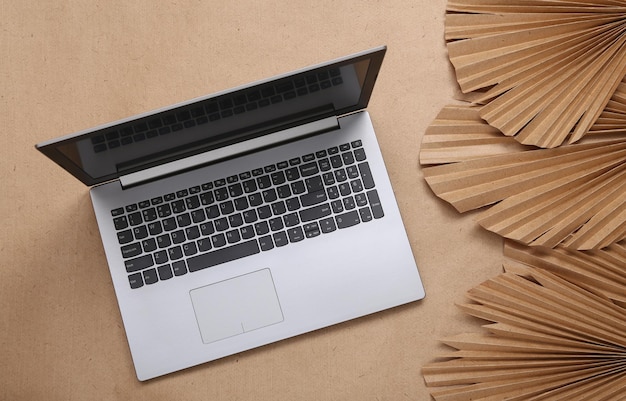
x,y
113,150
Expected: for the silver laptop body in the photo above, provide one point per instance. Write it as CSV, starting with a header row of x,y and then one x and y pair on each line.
x,y
246,217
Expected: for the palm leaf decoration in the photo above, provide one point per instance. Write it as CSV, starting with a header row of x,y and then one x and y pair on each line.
x,y
574,195
544,69
558,331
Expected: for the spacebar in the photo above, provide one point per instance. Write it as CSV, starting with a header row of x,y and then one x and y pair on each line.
x,y
223,255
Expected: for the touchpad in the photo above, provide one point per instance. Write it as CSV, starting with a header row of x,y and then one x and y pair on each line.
x,y
236,306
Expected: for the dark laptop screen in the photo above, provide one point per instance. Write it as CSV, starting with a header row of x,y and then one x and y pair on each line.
x,y
150,139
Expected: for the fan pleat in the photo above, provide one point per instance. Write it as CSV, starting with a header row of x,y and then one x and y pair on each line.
x,y
545,70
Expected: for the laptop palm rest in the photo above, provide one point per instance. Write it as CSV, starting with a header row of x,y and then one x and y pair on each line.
x,y
236,306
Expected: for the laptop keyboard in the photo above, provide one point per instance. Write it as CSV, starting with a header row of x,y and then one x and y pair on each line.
x,y
245,214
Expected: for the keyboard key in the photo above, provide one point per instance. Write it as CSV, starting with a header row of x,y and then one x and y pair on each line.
x,y
204,245
264,182
356,185
292,174
337,206
366,175
190,248
295,234
311,230
131,250
149,214
165,272
324,164
198,216
120,223
164,210
360,199
336,161
212,211
235,190
366,214
150,276
192,202
163,241
117,212
135,219
341,175
179,268
348,219
348,158
124,237
140,232
298,187
241,203
223,255
359,154
140,263
221,224
313,198
284,191
183,220
135,280
377,208
327,225
175,253
279,208
178,206
218,240
192,232
292,204
280,238
178,237
207,228
276,224
249,186
169,224
314,184
278,178
155,228
309,169
247,232
149,245
349,203
352,172
160,257
235,220
233,236
315,212
206,198
291,219
227,207
264,212
266,243
261,228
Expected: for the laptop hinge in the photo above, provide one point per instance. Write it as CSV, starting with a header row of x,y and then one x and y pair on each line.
x,y
227,152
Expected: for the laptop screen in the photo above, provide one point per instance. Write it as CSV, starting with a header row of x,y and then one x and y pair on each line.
x,y
110,151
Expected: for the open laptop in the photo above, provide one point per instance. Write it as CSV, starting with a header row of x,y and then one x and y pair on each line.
x,y
246,217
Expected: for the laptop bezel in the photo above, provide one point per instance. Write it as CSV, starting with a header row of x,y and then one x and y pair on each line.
x,y
52,151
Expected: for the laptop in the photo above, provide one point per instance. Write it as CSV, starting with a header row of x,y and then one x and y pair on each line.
x,y
245,217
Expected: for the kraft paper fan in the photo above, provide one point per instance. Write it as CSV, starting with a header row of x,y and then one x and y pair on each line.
x,y
544,69
556,335
574,195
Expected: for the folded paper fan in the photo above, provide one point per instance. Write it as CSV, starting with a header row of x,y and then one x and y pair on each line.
x,y
555,335
545,69
573,195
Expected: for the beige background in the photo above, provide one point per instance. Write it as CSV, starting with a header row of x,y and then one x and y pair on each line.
x,y
68,65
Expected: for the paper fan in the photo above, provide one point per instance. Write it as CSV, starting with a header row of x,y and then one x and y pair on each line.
x,y
547,68
553,337
573,195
